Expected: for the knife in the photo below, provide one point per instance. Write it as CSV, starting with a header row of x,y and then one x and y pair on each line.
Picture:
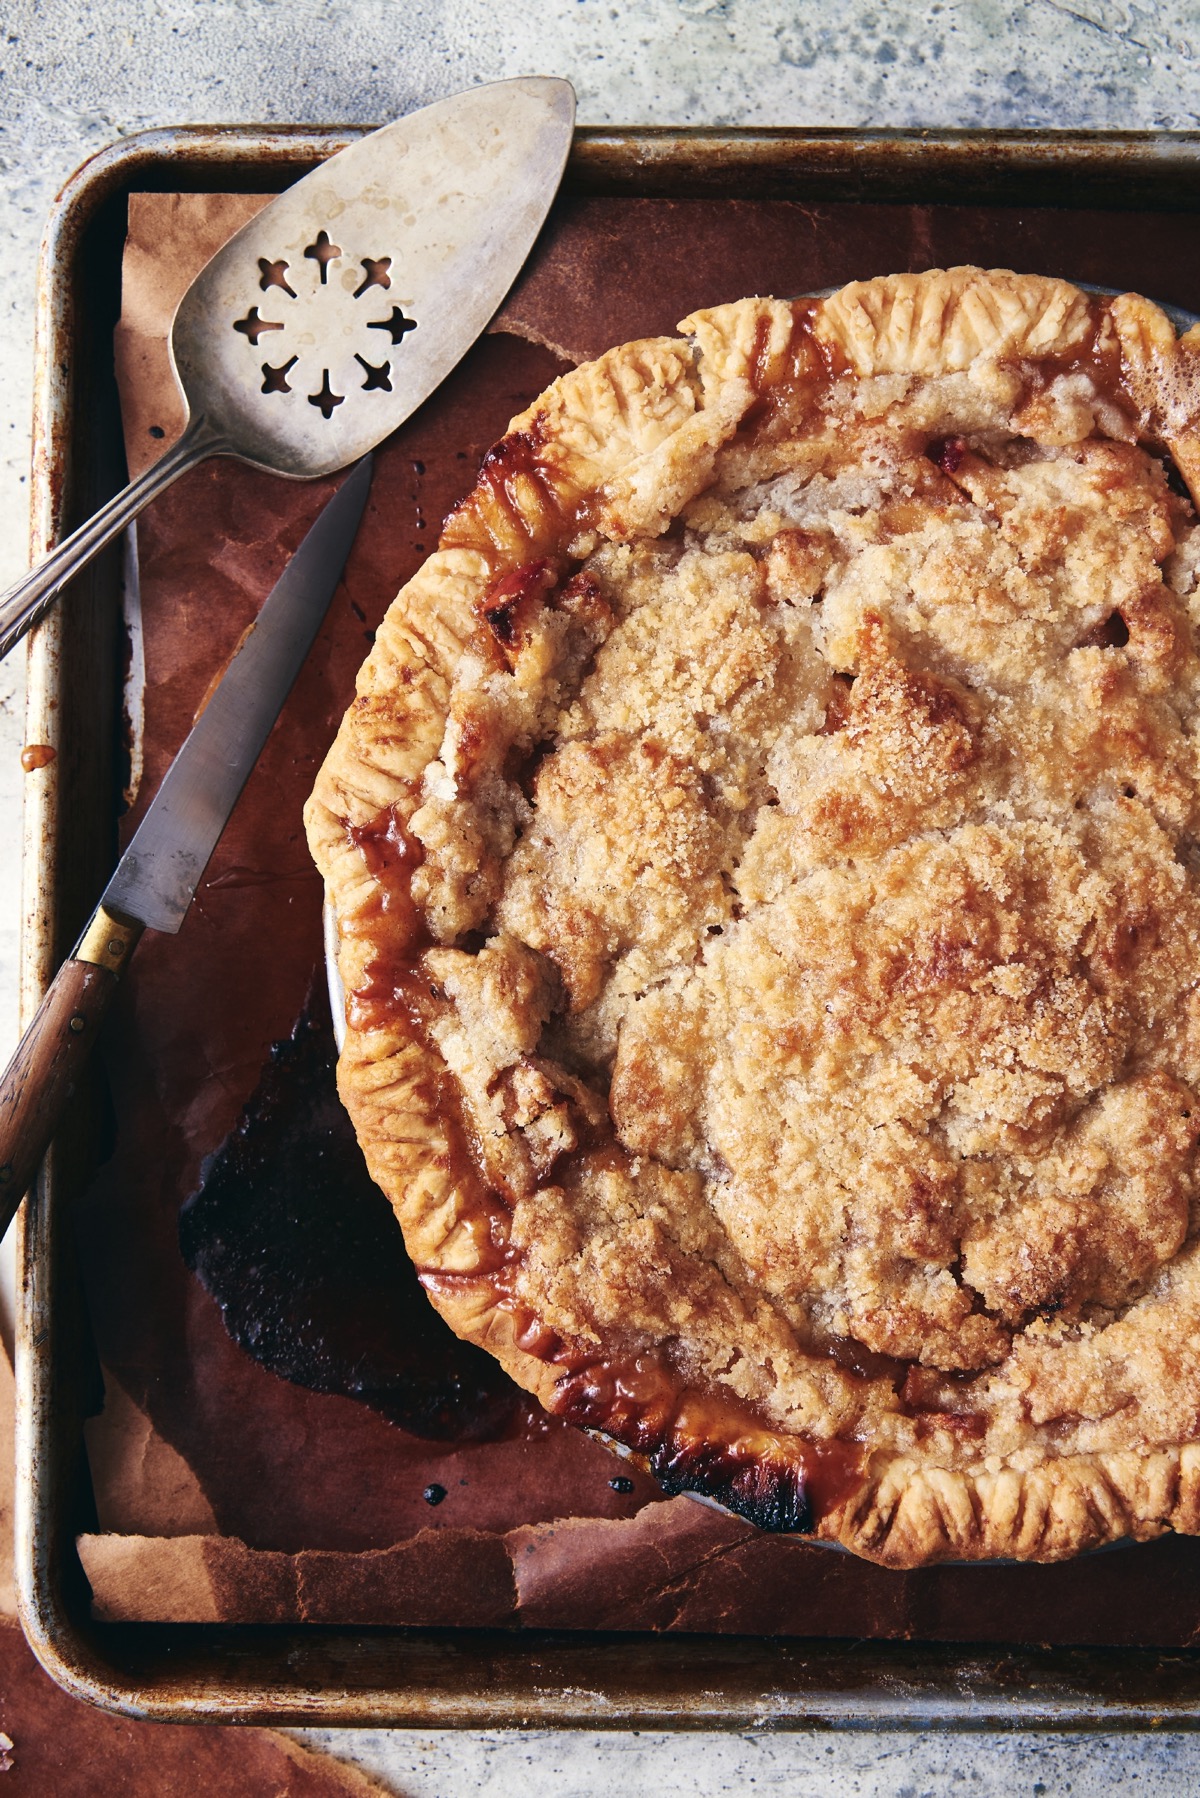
x,y
156,877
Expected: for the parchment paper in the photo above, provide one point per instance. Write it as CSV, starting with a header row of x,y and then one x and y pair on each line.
x,y
222,1492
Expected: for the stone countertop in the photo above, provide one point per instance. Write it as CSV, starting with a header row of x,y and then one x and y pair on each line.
x,y
76,78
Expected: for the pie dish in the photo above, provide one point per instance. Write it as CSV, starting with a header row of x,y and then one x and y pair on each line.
x,y
766,849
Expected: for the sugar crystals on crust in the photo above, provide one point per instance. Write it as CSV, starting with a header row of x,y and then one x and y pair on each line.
x,y
765,848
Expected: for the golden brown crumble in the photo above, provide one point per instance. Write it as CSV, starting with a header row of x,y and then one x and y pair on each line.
x,y
808,861
850,872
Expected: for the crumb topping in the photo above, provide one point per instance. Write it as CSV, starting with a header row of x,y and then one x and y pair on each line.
x,y
766,857
832,857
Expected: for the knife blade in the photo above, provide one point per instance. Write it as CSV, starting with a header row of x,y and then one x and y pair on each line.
x,y
157,876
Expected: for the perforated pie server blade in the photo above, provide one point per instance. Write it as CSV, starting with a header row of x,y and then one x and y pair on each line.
x,y
327,320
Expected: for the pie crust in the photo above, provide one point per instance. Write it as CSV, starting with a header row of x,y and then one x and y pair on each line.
x,y
766,848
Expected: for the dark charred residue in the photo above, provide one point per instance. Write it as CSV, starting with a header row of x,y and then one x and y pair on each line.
x,y
636,1402
772,1497
643,1404
500,620
302,1253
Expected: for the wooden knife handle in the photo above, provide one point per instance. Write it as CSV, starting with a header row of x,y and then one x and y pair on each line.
x,y
41,1075
39,1079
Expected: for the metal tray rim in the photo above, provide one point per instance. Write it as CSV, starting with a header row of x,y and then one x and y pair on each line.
x,y
174,1672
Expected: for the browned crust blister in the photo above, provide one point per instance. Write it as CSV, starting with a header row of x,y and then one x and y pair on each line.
x,y
612,453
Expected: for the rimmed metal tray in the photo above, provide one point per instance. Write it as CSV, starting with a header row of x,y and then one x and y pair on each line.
x,y
445,1677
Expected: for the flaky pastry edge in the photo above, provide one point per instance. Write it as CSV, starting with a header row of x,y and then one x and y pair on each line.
x,y
616,447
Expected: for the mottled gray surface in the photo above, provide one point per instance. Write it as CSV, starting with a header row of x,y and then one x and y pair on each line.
x,y
75,77
558,1765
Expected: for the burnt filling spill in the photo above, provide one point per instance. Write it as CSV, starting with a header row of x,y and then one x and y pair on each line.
x,y
299,1248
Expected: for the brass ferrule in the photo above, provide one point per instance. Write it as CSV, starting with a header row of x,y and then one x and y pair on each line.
x,y
108,940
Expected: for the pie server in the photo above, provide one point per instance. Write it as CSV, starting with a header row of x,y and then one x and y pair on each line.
x,y
329,317
156,877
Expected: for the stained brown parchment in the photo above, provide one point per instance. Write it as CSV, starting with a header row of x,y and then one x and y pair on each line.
x,y
221,1491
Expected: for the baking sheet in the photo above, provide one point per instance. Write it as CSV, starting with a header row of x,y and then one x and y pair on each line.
x,y
223,1494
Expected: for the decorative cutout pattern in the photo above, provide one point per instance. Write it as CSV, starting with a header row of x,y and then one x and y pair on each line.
x,y
377,378
398,325
376,275
326,399
323,252
275,380
252,326
343,320
274,274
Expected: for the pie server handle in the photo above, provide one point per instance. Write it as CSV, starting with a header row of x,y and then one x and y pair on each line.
x,y
26,603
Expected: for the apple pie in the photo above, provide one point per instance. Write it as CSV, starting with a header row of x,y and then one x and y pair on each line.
x,y
766,850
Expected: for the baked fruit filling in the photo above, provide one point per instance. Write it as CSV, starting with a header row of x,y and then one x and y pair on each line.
x,y
767,850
